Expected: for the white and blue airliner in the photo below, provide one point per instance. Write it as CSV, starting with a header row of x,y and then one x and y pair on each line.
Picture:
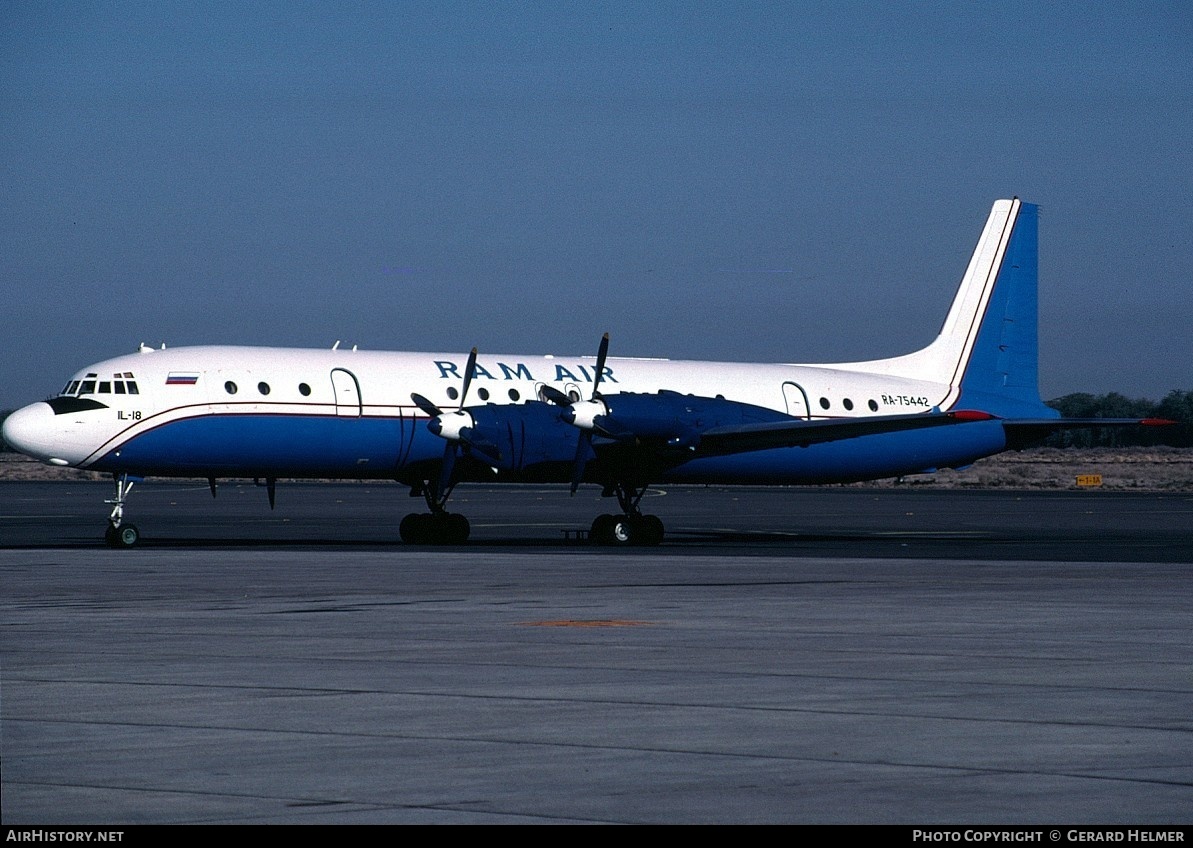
x,y
433,420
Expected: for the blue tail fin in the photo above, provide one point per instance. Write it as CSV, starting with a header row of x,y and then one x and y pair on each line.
x,y
1000,375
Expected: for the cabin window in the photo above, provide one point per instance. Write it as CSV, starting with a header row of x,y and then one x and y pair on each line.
x,y
483,394
452,392
230,387
263,388
304,390
573,395
824,404
873,406
514,396
848,404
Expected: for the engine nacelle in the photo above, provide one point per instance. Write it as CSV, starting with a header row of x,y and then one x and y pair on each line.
x,y
675,419
519,437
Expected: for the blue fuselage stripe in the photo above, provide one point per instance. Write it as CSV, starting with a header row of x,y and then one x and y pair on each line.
x,y
384,448
267,445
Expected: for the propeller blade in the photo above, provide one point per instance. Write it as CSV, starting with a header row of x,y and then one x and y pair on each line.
x,y
468,372
602,355
555,396
449,464
425,405
583,454
476,442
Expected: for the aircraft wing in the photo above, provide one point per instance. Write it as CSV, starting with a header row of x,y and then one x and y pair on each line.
x,y
741,438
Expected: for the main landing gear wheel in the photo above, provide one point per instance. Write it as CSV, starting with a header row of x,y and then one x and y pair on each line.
x,y
124,536
624,530
434,528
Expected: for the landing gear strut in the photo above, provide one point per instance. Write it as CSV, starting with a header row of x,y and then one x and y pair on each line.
x,y
438,527
120,534
631,528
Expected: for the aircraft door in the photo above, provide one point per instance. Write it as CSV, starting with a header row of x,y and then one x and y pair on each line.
x,y
797,400
347,392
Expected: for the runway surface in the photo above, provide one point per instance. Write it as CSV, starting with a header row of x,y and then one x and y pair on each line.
x,y
701,521
786,656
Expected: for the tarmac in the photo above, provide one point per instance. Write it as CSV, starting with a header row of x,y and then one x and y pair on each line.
x,y
786,656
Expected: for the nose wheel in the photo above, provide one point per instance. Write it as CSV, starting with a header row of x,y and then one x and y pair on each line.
x,y
124,536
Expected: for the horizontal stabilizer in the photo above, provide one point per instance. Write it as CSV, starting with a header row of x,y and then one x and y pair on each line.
x,y
1022,432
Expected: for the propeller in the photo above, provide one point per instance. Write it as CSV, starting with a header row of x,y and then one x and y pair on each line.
x,y
582,414
456,426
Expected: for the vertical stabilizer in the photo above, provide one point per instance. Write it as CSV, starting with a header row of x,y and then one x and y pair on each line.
x,y
987,351
1000,373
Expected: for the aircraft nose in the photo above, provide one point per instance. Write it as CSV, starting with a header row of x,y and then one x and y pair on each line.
x,y
29,431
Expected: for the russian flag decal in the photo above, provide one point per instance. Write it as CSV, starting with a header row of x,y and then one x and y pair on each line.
x,y
182,378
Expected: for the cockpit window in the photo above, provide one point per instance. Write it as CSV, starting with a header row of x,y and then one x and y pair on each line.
x,y
123,383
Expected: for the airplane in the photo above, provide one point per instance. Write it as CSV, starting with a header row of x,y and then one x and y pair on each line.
x,y
622,423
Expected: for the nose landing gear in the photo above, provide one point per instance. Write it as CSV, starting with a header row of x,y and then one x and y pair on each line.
x,y
119,534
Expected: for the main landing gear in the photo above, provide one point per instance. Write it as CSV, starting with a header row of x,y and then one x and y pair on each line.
x,y
438,527
631,528
119,534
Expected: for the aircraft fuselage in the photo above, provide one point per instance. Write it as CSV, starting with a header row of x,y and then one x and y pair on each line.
x,y
270,412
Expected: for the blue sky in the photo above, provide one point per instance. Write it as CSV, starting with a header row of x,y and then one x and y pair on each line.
x,y
753,181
